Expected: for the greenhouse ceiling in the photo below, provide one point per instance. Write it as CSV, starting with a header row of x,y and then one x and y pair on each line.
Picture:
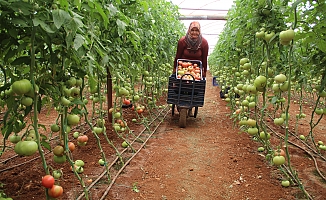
x,y
210,13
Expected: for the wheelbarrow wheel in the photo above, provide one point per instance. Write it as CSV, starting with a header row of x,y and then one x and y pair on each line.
x,y
183,117
173,108
196,112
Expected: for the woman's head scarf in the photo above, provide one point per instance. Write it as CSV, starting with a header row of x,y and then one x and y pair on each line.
x,y
193,44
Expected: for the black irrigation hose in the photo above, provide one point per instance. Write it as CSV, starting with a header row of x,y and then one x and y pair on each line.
x,y
23,163
127,162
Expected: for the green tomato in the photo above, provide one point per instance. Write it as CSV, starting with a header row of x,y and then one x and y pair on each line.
x,y
100,122
251,122
243,61
252,105
15,139
260,34
284,87
27,101
245,103
285,183
278,160
21,87
146,73
74,92
117,115
260,82
268,36
322,147
263,135
252,131
26,148
124,144
283,115
72,81
281,78
319,111
302,137
322,93
79,169
59,159
79,163
73,119
279,121
58,150
101,162
287,35
65,101
261,149
79,82
56,174
76,134
55,128
97,130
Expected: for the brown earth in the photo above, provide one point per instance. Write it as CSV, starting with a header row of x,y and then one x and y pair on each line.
x,y
209,159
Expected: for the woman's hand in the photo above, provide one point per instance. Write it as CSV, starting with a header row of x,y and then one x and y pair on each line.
x,y
204,74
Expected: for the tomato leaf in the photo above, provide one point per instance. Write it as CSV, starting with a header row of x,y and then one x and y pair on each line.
x,y
44,26
46,145
295,4
22,7
274,100
121,27
22,60
79,41
321,44
103,15
59,17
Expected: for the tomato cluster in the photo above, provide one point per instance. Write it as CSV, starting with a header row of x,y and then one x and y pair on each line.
x,y
54,191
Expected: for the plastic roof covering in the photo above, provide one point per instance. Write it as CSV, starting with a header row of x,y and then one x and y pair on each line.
x,y
210,28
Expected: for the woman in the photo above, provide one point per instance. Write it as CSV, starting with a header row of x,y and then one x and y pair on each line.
x,y
192,46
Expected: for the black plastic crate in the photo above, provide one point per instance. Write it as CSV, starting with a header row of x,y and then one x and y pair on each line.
x,y
188,93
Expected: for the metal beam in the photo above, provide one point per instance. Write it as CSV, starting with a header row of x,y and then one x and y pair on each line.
x,y
202,17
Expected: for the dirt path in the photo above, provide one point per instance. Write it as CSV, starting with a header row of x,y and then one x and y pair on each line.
x,y
206,160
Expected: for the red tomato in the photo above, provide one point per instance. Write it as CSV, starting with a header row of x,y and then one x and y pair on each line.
x,y
71,146
279,152
56,191
139,111
126,102
184,65
48,181
82,138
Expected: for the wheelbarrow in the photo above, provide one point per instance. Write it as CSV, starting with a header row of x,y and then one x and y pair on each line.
x,y
186,93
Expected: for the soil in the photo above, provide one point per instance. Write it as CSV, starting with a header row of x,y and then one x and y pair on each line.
x,y
209,159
